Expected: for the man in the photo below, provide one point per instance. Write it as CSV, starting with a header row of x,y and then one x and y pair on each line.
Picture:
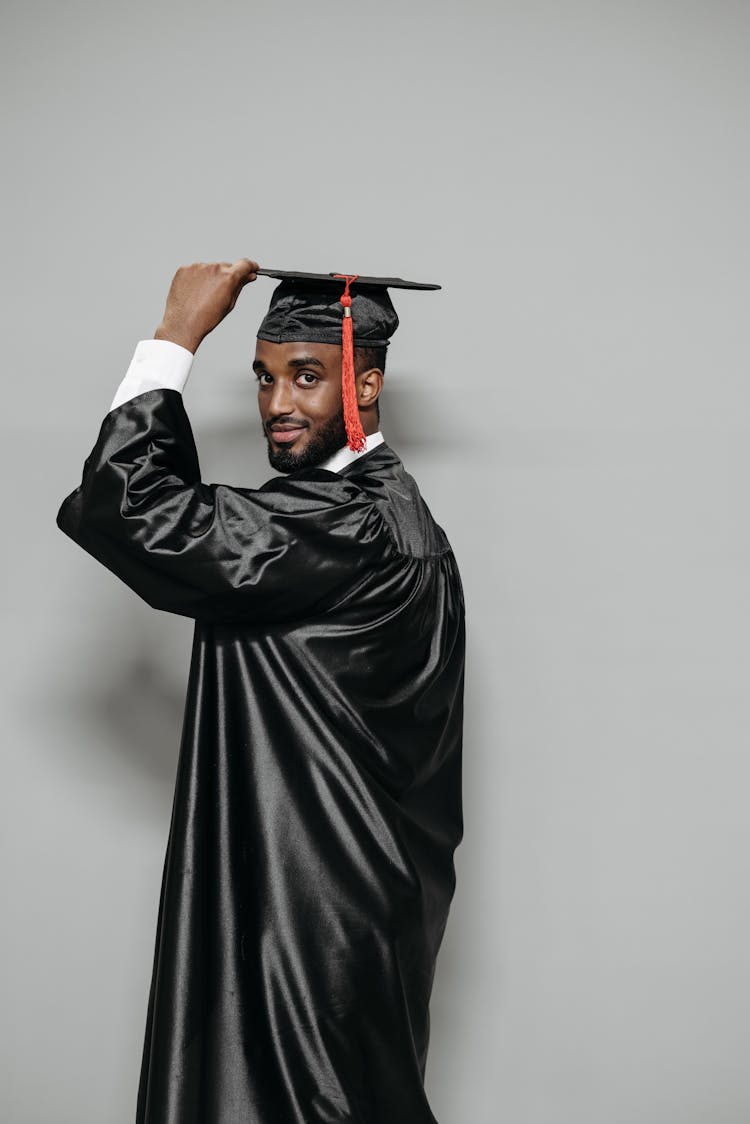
x,y
309,869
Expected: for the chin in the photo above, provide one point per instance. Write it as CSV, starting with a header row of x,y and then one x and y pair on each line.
x,y
287,460
318,448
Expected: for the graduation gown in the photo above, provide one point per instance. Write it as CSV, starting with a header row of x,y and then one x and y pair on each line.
x,y
317,806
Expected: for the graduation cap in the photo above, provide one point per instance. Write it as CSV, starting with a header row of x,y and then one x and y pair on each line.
x,y
341,308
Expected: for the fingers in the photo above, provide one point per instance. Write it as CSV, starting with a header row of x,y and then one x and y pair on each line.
x,y
245,269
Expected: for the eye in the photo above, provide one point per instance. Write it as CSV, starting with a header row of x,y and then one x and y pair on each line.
x,y
307,378
264,378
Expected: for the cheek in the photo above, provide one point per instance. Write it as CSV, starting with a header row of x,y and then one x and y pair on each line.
x,y
326,400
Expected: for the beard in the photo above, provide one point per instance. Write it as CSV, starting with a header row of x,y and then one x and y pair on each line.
x,y
329,438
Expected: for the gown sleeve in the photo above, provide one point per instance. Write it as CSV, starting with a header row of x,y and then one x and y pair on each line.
x,y
291,548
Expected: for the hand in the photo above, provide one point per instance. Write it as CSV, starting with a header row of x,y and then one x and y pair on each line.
x,y
199,298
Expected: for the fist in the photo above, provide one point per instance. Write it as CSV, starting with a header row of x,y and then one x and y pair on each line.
x,y
199,298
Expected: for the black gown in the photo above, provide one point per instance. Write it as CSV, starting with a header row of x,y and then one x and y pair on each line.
x,y
317,806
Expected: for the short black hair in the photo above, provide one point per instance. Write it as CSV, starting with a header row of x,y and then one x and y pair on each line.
x,y
365,358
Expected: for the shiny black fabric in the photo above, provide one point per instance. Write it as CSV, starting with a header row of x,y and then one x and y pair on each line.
x,y
317,806
311,311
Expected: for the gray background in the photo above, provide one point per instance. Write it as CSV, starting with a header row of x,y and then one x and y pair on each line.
x,y
574,404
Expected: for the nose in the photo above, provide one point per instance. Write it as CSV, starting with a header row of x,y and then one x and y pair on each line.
x,y
281,401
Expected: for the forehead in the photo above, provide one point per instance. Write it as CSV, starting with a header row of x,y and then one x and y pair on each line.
x,y
278,356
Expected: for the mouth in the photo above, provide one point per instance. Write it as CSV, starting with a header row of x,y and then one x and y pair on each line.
x,y
285,434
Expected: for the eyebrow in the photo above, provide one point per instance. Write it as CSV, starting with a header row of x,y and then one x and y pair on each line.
x,y
305,361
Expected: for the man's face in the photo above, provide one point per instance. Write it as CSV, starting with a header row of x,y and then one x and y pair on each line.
x,y
299,397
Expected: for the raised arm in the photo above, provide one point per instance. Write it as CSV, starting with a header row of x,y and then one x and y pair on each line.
x,y
291,548
283,551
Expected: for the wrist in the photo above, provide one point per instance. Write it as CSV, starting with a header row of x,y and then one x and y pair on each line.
x,y
177,335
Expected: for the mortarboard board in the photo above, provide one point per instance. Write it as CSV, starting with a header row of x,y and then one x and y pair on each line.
x,y
320,308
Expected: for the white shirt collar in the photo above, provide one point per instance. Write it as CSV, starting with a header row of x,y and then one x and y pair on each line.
x,y
346,455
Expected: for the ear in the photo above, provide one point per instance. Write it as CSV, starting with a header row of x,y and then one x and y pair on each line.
x,y
369,386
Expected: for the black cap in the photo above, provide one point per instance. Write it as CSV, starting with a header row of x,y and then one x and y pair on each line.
x,y
307,307
340,308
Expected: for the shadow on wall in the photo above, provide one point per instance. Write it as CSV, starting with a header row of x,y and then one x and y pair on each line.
x,y
114,712
412,419
141,708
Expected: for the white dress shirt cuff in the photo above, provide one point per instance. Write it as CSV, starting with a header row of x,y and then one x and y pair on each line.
x,y
156,365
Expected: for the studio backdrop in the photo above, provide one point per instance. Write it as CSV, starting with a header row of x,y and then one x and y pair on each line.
x,y
574,404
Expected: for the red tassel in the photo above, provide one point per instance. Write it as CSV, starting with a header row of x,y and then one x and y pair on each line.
x,y
355,434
